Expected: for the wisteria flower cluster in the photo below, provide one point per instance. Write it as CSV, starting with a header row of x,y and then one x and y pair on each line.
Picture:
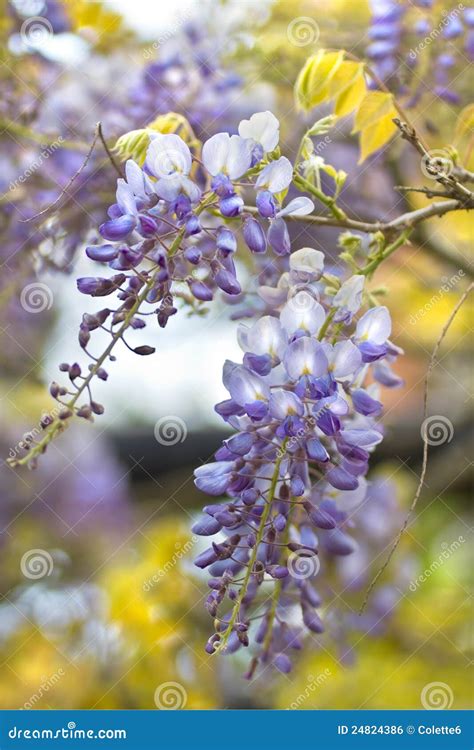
x,y
403,34
165,240
305,408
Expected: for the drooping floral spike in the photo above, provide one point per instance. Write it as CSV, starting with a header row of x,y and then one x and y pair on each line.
x,y
304,404
168,245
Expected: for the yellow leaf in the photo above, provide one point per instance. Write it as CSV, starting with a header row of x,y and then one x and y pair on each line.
x,y
172,122
302,82
374,106
349,99
347,73
312,86
376,136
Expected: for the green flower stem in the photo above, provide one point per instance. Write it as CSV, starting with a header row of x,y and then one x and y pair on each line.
x,y
276,590
58,425
253,557
372,266
326,324
328,201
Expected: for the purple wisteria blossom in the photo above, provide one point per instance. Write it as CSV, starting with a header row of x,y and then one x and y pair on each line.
x,y
170,240
304,405
404,35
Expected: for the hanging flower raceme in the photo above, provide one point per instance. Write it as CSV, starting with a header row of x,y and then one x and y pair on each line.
x,y
305,422
167,239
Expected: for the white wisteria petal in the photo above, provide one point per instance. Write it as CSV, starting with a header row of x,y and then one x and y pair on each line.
x,y
262,127
267,336
139,182
215,152
276,176
344,358
284,403
350,293
307,260
167,156
374,326
125,198
302,312
239,157
305,356
301,206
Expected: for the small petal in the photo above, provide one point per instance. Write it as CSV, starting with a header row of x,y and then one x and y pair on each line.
x,y
307,261
254,235
168,155
118,229
102,253
262,127
276,176
301,206
278,237
302,312
374,326
305,356
344,358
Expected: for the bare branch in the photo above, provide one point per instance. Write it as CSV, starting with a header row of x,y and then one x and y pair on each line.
x,y
424,465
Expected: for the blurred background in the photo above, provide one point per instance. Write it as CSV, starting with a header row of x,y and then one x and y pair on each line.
x,y
100,606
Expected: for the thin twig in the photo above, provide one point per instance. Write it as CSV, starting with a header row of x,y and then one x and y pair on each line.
x,y
71,181
404,221
424,465
108,152
429,192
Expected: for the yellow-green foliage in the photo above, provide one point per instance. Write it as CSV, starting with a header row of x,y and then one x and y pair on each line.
x,y
328,76
134,144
